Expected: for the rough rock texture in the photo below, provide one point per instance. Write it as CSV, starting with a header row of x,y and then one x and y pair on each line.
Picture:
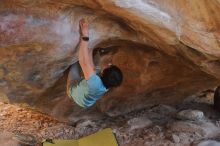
x,y
157,126
167,50
190,115
209,143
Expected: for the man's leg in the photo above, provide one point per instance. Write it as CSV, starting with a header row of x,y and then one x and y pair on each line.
x,y
66,107
75,112
74,77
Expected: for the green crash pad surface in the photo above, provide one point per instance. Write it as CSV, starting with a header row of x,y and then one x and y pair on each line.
x,y
101,138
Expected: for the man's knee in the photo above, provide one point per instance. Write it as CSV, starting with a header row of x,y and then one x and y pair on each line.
x,y
74,73
73,78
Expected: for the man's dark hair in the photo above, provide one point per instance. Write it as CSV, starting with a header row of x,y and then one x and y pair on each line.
x,y
112,76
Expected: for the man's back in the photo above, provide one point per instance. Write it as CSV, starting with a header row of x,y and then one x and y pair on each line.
x,y
87,92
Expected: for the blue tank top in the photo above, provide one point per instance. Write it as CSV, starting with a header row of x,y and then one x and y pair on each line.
x,y
87,92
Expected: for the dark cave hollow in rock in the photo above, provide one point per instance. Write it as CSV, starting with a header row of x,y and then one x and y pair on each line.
x,y
149,78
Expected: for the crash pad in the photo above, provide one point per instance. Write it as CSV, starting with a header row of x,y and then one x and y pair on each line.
x,y
101,138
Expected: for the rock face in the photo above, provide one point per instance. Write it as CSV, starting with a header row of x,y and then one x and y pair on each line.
x,y
194,115
167,50
139,123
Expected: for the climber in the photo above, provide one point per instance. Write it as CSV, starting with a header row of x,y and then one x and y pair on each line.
x,y
87,90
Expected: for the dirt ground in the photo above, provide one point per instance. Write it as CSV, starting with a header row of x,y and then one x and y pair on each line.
x,y
194,122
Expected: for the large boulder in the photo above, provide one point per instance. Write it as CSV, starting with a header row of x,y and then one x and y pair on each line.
x,y
167,51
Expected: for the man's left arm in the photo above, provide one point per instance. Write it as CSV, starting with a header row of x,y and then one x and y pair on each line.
x,y
85,55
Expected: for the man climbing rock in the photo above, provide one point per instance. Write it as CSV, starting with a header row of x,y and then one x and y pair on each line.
x,y
87,90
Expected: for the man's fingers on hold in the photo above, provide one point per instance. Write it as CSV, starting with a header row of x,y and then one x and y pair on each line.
x,y
81,21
